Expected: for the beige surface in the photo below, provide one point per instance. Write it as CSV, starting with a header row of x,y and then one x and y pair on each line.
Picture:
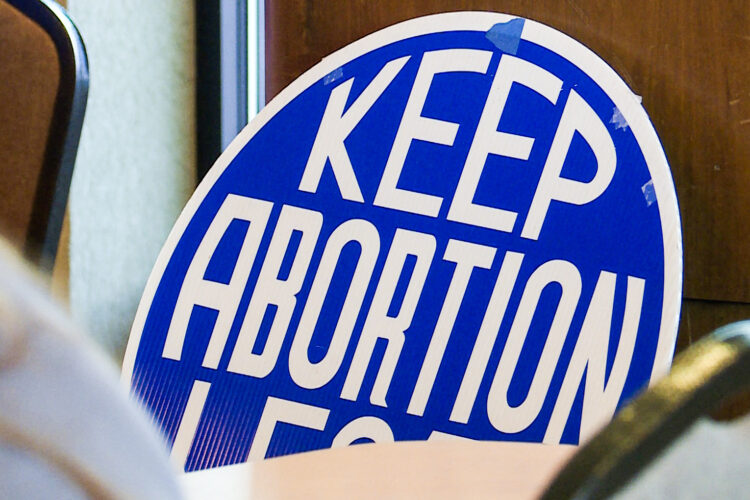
x,y
448,469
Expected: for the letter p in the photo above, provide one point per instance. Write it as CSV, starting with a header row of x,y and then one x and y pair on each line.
x,y
577,116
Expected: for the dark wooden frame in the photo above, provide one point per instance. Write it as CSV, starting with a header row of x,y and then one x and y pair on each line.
x,y
221,63
51,196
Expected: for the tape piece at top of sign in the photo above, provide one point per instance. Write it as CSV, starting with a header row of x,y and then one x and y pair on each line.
x,y
506,36
334,75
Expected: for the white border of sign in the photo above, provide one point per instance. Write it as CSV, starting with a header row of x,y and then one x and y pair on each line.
x,y
540,34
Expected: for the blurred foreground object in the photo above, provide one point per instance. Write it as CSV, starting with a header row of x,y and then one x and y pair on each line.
x,y
455,468
67,427
712,370
43,90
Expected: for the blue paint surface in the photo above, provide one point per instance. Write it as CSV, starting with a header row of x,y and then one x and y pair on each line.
x,y
617,232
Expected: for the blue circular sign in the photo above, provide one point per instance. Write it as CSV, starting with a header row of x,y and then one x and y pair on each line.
x,y
462,225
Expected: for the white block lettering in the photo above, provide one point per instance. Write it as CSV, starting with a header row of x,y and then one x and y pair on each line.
x,y
314,375
590,355
577,116
224,298
183,441
363,428
488,140
269,289
415,126
502,416
335,127
379,325
480,355
467,256
288,412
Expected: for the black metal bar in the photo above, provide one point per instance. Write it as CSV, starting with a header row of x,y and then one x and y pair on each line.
x,y
221,37
208,83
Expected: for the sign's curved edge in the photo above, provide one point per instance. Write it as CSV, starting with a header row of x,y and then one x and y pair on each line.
x,y
643,130
577,53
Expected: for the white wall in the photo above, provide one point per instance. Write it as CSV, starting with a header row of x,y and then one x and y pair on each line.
x,y
136,162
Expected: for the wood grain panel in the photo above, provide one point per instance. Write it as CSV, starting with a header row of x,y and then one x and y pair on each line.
x,y
700,317
688,59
